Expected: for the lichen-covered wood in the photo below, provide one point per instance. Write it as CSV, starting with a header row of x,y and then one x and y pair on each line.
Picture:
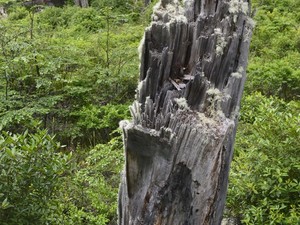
x,y
179,144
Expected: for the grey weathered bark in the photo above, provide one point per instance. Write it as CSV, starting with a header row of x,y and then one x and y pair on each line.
x,y
147,2
179,145
3,12
82,3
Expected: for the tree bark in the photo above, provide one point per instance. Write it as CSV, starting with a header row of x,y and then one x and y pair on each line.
x,y
147,2
179,145
82,3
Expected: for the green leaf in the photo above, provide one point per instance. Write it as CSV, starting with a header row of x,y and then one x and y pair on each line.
x,y
5,204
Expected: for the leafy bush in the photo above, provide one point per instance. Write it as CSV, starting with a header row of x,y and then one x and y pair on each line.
x,y
98,123
79,19
57,75
39,185
275,50
17,13
31,174
89,196
265,174
277,78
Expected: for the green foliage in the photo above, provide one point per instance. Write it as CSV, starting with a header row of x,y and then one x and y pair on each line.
x,y
265,173
17,13
67,60
31,171
264,181
90,197
73,71
81,20
275,50
121,6
40,185
279,77
97,122
67,67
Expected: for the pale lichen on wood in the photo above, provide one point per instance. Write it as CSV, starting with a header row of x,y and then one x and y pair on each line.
x,y
179,145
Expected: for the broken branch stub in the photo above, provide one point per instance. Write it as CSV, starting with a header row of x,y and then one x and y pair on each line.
x,y
179,145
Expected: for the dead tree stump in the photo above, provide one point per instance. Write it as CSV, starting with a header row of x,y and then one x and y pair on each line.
x,y
179,145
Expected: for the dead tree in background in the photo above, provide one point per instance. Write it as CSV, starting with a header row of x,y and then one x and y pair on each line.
x,y
179,145
147,2
82,3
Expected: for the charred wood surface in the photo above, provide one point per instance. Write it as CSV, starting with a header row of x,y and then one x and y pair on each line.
x,y
179,144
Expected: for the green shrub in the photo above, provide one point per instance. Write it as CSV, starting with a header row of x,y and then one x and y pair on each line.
x,y
79,19
275,50
89,196
278,78
265,173
98,122
17,13
40,185
31,173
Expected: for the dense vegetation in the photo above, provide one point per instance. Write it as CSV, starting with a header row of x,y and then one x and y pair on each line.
x,y
265,174
67,76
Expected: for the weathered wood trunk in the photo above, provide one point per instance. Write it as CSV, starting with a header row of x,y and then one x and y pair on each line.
x,y
147,2
82,3
179,145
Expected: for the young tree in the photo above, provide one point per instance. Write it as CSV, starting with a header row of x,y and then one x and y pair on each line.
x,y
179,146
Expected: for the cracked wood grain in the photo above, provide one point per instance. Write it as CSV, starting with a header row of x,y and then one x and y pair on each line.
x,y
179,144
